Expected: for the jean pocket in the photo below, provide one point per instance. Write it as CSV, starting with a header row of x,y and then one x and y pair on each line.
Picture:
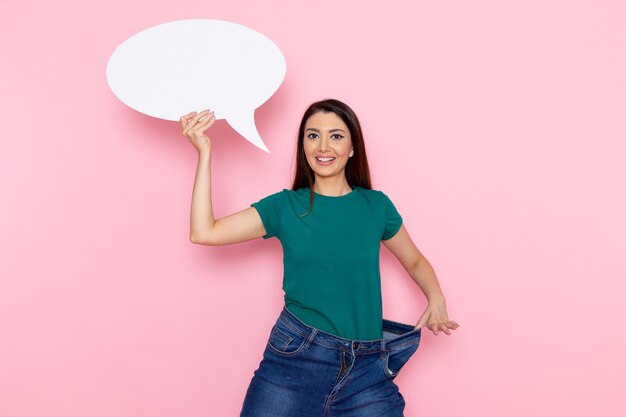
x,y
393,360
285,341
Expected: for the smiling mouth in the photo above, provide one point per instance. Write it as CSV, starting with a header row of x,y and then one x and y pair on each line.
x,y
325,159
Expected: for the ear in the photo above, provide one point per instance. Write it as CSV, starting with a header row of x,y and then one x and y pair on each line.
x,y
351,153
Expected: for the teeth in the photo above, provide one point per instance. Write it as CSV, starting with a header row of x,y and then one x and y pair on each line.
x,y
325,159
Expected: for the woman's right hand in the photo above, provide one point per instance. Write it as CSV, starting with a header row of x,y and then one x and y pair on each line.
x,y
194,125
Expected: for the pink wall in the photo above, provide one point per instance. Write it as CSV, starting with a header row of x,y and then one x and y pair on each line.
x,y
496,127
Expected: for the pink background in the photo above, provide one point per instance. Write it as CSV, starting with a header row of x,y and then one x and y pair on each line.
x,y
497,128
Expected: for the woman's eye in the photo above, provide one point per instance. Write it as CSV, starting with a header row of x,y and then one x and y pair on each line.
x,y
337,136
312,136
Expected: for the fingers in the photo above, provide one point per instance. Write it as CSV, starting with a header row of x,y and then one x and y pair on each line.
x,y
184,120
192,122
207,119
436,322
445,327
192,118
197,121
205,122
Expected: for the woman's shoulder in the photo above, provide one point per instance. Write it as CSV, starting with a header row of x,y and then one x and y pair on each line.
x,y
365,190
287,194
300,192
377,197
370,192
286,191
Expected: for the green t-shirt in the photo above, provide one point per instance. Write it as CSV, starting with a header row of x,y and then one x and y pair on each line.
x,y
331,256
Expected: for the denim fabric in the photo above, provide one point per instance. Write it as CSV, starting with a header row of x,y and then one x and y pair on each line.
x,y
306,372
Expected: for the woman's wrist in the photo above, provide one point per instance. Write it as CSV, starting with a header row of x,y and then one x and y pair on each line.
x,y
436,298
204,154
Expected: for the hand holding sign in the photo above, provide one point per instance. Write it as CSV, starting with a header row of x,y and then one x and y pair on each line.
x,y
178,67
194,125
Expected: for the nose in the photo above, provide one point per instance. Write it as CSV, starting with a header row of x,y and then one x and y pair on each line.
x,y
324,144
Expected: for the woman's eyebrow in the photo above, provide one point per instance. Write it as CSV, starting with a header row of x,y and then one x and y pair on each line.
x,y
330,131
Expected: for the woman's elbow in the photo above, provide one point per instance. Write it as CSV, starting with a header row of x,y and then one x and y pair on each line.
x,y
194,239
201,240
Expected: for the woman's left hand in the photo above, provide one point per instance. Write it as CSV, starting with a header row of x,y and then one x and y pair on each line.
x,y
436,318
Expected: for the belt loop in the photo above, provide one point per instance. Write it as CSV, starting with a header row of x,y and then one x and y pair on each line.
x,y
383,345
310,338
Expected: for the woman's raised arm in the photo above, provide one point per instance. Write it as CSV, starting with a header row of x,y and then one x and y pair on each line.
x,y
204,228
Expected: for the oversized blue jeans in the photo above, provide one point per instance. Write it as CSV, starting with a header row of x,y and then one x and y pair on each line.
x,y
306,372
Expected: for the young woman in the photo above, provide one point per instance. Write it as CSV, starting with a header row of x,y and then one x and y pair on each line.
x,y
330,352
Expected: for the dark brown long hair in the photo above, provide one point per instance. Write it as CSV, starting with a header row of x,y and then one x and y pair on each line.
x,y
357,170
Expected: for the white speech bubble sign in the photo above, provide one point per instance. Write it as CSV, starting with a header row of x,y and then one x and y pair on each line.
x,y
174,68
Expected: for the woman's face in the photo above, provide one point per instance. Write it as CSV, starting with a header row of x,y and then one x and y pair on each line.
x,y
327,144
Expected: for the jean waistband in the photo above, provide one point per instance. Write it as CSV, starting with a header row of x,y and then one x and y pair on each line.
x,y
395,335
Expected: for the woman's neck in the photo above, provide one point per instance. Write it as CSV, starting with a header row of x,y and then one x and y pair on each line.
x,y
334,187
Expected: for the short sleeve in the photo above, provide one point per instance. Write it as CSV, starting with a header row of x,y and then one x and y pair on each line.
x,y
269,209
393,220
